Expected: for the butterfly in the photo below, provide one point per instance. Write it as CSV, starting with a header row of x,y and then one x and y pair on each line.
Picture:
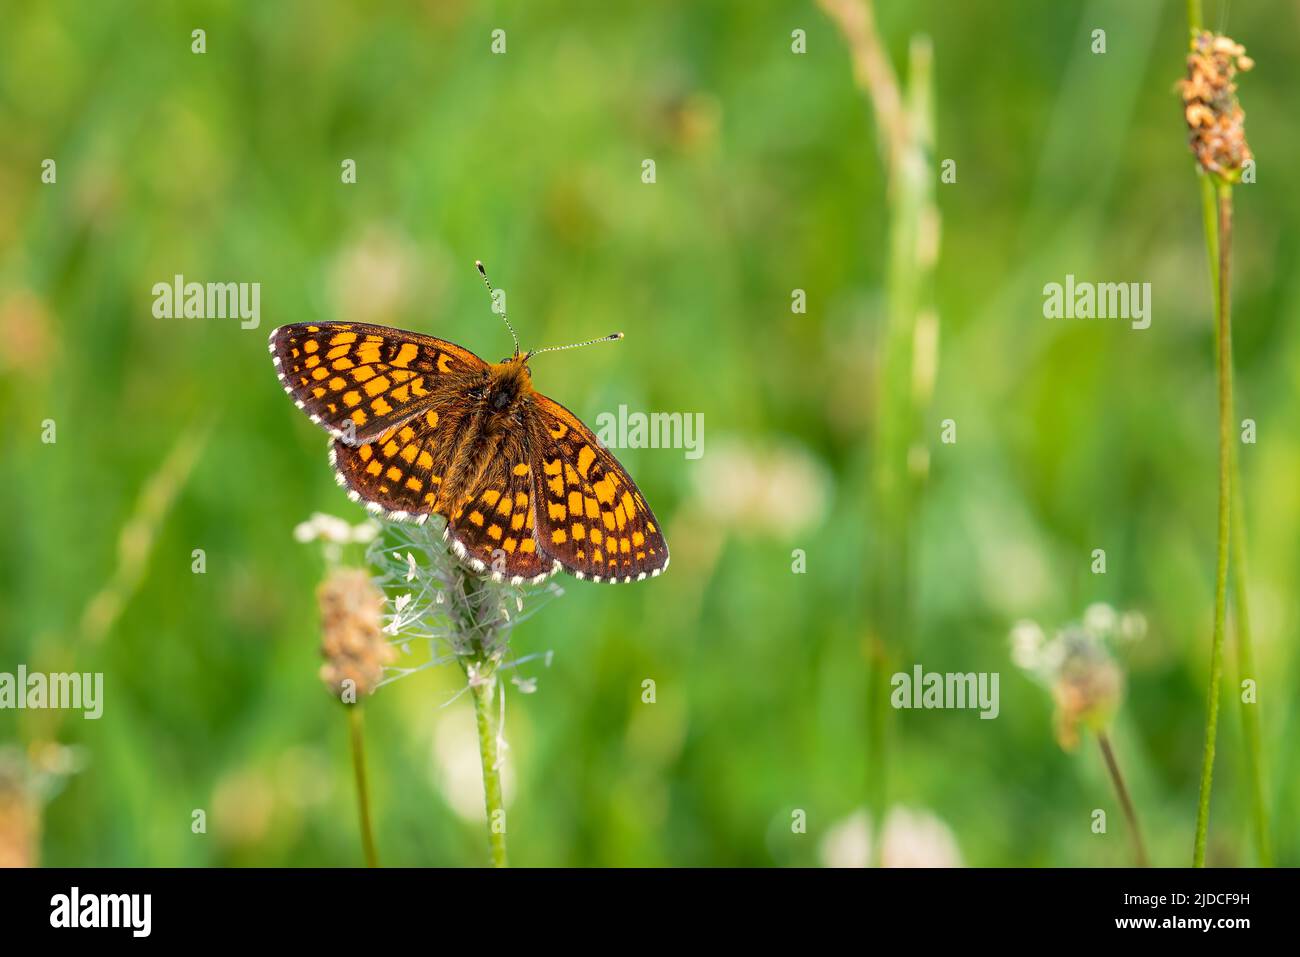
x,y
422,426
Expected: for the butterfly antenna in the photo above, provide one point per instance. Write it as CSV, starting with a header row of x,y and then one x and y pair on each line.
x,y
492,294
612,337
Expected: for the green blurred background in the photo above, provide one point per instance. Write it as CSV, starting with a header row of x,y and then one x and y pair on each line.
x,y
174,435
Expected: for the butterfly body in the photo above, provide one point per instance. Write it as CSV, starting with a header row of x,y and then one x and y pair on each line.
x,y
422,426
495,414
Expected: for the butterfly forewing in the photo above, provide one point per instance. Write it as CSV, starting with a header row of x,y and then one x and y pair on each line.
x,y
358,380
590,515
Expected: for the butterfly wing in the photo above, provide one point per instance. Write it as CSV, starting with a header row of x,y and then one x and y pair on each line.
x,y
400,471
590,516
359,381
494,530
405,473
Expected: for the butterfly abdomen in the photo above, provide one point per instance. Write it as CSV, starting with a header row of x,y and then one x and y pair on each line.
x,y
488,430
477,444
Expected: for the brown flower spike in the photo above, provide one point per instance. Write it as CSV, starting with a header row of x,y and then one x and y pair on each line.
x,y
1214,117
352,643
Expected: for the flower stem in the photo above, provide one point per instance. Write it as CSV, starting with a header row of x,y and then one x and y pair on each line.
x,y
878,677
359,769
1139,849
1246,669
484,692
1237,567
1223,342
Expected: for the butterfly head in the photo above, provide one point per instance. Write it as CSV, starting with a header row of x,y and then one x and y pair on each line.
x,y
505,384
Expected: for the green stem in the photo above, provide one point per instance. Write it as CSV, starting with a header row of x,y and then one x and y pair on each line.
x,y
1210,220
480,646
1237,566
484,692
1223,341
1246,669
878,677
359,770
1139,849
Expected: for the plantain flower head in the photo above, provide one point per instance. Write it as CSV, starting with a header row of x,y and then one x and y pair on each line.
x,y
352,638
1076,666
1215,120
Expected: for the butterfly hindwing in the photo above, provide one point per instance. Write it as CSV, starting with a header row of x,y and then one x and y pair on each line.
x,y
358,380
493,531
401,471
590,515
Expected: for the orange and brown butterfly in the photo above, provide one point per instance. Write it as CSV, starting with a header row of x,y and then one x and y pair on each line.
x,y
424,427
